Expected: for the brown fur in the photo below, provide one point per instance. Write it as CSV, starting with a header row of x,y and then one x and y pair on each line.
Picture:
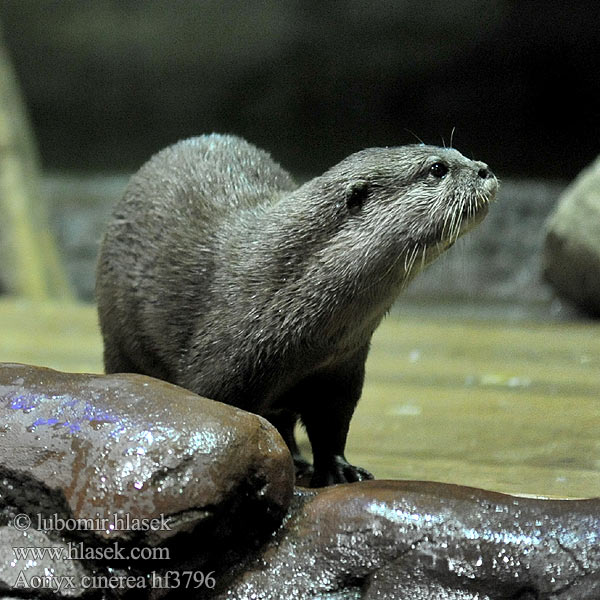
x,y
219,274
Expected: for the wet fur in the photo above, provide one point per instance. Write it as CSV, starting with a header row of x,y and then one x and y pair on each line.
x,y
219,274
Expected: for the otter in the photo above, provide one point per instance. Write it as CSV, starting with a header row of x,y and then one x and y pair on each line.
x,y
219,274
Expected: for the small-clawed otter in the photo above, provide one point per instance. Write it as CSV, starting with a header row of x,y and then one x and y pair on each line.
x,y
219,274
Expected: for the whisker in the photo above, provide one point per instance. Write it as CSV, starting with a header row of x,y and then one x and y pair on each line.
x,y
415,135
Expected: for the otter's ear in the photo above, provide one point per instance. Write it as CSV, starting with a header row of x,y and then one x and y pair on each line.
x,y
356,194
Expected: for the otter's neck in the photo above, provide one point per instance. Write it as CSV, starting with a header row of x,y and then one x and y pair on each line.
x,y
307,272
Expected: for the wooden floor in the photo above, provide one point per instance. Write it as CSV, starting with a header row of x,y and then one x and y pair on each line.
x,y
508,407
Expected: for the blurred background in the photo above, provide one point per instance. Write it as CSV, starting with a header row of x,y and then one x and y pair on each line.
x,y
108,83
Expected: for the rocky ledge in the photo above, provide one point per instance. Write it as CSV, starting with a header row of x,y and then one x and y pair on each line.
x,y
123,486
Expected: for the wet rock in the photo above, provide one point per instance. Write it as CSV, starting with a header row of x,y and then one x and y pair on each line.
x,y
572,248
85,447
26,575
145,462
418,540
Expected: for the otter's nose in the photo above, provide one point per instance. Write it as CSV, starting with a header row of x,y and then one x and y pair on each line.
x,y
484,172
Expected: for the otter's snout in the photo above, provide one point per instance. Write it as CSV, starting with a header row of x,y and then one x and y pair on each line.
x,y
486,179
483,171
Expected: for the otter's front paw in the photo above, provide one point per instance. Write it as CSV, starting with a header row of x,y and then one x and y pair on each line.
x,y
304,470
338,470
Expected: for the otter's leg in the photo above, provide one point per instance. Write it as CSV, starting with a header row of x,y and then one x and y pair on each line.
x,y
285,421
329,402
116,361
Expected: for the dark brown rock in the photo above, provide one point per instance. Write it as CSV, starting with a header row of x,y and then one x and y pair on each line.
x,y
572,248
77,445
395,540
87,446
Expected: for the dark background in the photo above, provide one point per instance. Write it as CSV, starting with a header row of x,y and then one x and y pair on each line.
x,y
109,82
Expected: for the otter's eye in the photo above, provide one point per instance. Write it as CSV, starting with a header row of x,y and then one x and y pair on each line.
x,y
438,169
356,194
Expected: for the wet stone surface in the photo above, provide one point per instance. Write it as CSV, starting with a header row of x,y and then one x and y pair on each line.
x,y
87,446
143,462
419,540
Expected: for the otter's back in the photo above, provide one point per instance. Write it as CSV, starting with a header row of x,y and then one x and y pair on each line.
x,y
209,171
181,196
159,246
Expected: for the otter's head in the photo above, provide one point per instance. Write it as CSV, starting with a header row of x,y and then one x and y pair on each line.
x,y
402,207
366,226
434,194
